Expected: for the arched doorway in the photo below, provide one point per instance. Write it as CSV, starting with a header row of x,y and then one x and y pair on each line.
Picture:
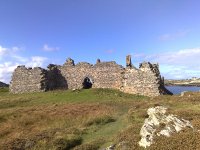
x,y
87,83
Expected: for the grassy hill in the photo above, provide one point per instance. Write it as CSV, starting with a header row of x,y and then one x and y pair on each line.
x,y
89,120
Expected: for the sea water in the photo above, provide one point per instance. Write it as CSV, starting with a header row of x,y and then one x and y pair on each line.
x,y
179,89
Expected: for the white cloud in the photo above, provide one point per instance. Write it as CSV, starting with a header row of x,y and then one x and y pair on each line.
x,y
36,61
47,48
6,70
20,58
8,52
10,59
179,64
172,36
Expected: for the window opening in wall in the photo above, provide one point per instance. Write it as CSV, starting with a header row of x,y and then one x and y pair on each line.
x,y
87,83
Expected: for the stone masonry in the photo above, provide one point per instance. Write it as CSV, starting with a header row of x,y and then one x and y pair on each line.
x,y
28,80
143,81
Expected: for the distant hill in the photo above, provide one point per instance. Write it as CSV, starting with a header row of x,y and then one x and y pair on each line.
x,y
3,84
184,82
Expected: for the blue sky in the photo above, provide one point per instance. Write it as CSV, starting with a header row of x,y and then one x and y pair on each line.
x,y
38,32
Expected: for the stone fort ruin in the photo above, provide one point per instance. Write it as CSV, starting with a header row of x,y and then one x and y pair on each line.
x,y
143,81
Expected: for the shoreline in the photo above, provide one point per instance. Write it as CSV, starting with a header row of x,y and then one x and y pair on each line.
x,y
196,85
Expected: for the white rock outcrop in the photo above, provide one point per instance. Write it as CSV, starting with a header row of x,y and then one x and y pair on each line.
x,y
159,123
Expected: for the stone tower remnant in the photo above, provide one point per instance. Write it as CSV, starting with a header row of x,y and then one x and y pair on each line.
x,y
69,62
98,61
128,61
143,81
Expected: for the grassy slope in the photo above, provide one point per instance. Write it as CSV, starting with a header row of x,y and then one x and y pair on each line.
x,y
88,119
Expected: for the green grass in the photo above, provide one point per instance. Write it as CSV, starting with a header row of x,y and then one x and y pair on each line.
x,y
4,90
88,119
59,97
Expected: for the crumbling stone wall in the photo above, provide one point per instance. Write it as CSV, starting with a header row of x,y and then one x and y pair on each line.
x,y
75,74
28,80
107,75
144,81
102,74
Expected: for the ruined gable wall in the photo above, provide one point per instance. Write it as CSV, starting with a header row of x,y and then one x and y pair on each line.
x,y
144,81
28,80
151,79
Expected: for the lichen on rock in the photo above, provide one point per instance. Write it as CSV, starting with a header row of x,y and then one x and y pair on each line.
x,y
159,123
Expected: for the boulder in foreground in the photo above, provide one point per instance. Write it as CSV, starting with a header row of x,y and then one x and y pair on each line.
x,y
159,123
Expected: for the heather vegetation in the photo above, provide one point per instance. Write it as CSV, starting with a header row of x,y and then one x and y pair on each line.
x,y
90,119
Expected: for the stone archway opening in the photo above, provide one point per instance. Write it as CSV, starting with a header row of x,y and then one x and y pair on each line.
x,y
87,83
